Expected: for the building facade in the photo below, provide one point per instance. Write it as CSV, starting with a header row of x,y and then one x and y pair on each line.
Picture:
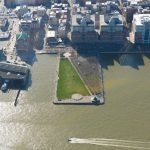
x,y
112,29
141,28
83,29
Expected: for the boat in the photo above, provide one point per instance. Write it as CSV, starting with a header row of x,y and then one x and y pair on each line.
x,y
4,87
72,139
69,139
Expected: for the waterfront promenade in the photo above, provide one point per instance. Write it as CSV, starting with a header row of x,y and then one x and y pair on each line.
x,y
85,100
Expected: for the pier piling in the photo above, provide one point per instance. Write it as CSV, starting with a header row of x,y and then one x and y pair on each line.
x,y
16,100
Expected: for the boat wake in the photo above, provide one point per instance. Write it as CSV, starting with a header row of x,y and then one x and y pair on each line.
x,y
141,145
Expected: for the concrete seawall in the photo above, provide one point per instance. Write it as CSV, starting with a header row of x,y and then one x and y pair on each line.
x,y
74,102
86,100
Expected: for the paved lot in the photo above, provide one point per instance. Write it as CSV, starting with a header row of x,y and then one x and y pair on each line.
x,y
88,68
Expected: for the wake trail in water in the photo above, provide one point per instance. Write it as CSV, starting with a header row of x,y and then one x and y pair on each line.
x,y
127,141
113,143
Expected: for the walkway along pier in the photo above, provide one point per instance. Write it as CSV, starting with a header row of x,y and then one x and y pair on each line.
x,y
86,100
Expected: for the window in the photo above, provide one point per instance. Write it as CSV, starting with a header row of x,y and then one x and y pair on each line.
x,y
146,34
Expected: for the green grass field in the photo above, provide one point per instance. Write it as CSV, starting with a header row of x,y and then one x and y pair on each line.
x,y
69,82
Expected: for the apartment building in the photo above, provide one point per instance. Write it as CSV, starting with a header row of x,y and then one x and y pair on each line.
x,y
141,28
83,29
112,29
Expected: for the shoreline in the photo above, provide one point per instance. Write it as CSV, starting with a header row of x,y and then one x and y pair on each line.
x,y
83,101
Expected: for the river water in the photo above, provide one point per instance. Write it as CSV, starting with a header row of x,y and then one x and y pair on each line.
x,y
37,124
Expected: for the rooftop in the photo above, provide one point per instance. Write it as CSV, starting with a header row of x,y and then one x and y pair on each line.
x,y
22,35
41,8
139,19
111,20
4,35
21,7
12,71
83,20
50,34
3,21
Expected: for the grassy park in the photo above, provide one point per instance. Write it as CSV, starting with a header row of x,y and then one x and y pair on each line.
x,y
69,81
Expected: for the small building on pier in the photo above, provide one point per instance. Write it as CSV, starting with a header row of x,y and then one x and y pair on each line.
x,y
14,73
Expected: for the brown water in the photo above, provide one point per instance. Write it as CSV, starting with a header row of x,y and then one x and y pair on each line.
x,y
37,124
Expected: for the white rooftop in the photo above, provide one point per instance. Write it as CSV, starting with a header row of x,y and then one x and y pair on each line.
x,y
41,8
134,2
88,2
139,19
50,33
21,7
